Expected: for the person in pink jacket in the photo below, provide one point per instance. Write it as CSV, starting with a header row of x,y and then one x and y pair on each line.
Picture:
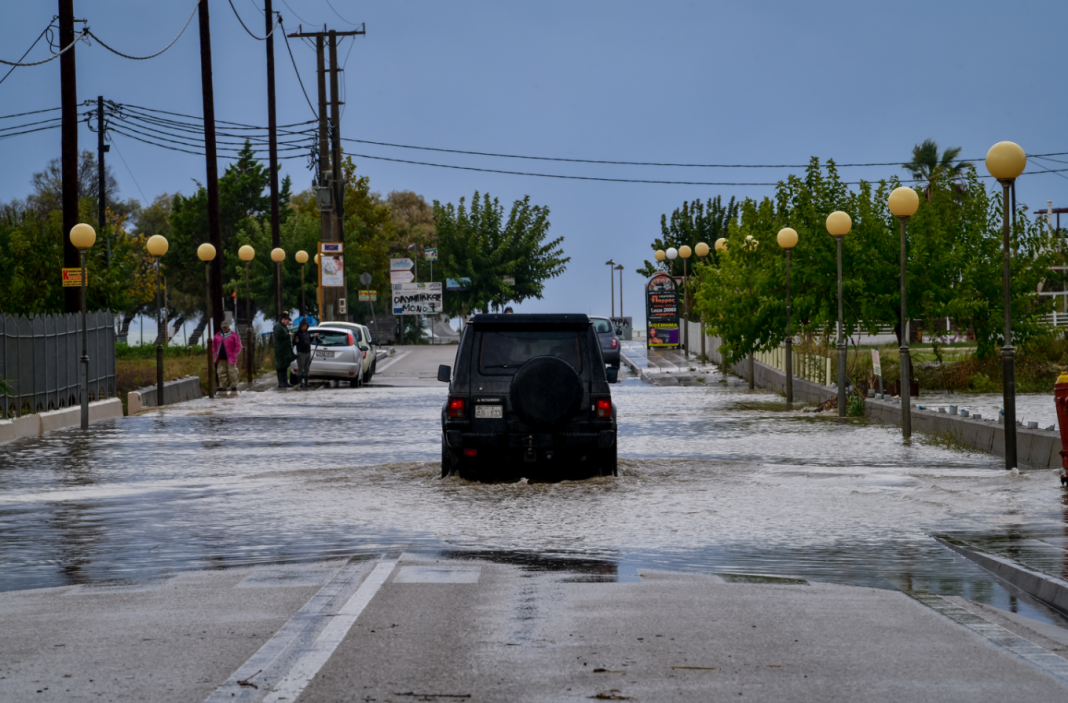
x,y
227,351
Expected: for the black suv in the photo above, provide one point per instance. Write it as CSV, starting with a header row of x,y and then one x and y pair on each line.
x,y
528,397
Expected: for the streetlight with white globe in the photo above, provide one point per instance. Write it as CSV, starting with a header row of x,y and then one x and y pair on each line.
x,y
1006,161
247,254
686,252
838,225
83,236
302,258
903,204
157,246
787,239
278,255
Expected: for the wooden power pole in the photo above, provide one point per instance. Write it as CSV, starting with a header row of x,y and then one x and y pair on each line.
x,y
214,228
330,183
68,90
272,146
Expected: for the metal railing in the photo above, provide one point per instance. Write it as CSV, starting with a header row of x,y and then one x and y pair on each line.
x,y
40,358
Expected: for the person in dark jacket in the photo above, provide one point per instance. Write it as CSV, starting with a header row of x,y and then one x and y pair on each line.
x,y
283,350
302,341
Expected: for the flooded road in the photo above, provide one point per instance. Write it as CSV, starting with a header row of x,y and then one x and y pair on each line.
x,y
713,479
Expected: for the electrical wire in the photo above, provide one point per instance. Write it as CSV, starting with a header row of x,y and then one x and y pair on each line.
x,y
186,151
117,151
1053,171
249,30
295,70
29,131
12,69
344,85
610,180
235,125
31,124
32,112
170,126
294,13
353,24
151,56
67,48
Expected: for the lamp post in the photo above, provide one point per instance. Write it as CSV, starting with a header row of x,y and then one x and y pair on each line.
x,y
787,239
611,264
206,253
903,204
839,224
157,246
82,236
246,254
660,255
318,289
302,258
672,253
1005,161
702,250
686,252
619,267
721,245
278,256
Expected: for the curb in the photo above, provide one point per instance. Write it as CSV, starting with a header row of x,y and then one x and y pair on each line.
x,y
1047,588
633,367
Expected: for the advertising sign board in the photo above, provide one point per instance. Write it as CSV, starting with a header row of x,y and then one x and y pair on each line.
x,y
622,327
332,247
417,298
72,278
332,272
662,311
368,296
404,264
431,254
396,277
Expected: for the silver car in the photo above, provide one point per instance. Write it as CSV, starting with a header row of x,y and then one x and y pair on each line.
x,y
609,341
335,355
366,344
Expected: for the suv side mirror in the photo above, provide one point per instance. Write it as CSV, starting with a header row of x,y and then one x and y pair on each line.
x,y
445,374
613,374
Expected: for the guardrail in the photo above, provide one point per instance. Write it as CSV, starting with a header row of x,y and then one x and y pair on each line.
x,y
40,358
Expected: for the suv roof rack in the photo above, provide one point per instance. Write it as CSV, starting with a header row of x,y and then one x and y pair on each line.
x,y
541,319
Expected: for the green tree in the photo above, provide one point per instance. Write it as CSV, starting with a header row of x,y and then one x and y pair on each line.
x,y
692,223
926,164
479,244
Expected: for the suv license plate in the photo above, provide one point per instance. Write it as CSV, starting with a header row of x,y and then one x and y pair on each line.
x,y
489,411
319,354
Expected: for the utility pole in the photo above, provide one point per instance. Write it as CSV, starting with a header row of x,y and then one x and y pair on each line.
x,y
330,187
215,291
272,145
68,90
101,175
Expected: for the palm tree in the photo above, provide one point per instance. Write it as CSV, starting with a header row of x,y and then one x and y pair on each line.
x,y
925,163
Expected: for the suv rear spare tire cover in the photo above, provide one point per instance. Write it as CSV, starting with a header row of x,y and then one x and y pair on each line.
x,y
546,391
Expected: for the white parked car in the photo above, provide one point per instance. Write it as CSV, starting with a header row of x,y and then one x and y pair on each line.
x,y
367,345
336,355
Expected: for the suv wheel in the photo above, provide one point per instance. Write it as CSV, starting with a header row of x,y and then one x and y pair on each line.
x,y
446,460
609,465
370,371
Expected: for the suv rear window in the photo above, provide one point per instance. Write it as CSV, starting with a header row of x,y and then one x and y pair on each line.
x,y
602,326
504,351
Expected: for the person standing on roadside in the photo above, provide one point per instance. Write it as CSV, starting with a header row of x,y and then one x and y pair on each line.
x,y
283,350
227,355
302,344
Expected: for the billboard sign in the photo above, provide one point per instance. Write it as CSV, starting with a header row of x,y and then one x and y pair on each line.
x,y
404,264
332,272
662,312
417,298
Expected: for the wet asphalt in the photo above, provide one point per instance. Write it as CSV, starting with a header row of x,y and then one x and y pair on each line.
x,y
717,483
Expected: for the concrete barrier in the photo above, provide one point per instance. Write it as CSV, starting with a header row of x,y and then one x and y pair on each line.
x,y
1036,449
1043,586
173,392
37,424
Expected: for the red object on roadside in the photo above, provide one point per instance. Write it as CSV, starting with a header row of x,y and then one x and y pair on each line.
x,y
1060,400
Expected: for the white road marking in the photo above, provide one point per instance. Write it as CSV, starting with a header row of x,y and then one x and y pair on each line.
x,y
320,651
437,574
397,358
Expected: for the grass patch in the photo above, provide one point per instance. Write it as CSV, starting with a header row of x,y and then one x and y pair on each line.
x,y
947,439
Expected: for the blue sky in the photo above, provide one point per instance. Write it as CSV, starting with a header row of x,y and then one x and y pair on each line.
x,y
707,82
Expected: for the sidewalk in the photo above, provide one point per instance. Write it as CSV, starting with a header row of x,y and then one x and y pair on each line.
x,y
668,367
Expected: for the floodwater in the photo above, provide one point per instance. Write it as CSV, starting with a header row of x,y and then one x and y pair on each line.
x,y
714,479
1035,407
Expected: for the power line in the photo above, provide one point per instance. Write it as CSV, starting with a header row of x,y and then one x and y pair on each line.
x,y
234,125
12,69
67,48
117,151
33,112
294,13
353,24
249,30
28,131
31,124
151,56
295,70
610,180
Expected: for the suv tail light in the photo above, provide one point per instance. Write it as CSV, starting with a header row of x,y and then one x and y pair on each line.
x,y
351,342
604,407
456,408
615,342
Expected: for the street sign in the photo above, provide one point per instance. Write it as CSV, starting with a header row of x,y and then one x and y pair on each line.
x,y
368,296
431,254
876,367
457,283
72,278
417,298
397,277
365,278
404,264
332,247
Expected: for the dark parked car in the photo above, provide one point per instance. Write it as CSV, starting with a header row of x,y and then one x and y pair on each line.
x,y
528,397
609,341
